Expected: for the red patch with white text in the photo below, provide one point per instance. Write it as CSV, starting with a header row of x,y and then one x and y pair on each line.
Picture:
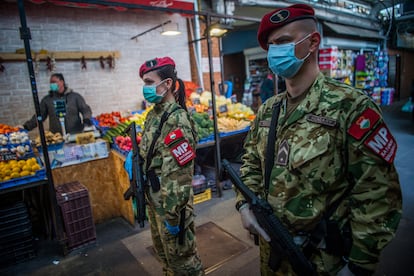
x,y
382,143
183,152
173,136
364,123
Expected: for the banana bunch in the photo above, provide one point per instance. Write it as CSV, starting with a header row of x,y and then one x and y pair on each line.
x,y
230,124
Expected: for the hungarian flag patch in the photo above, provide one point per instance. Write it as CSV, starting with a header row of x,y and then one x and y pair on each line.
x,y
382,143
363,123
183,152
173,136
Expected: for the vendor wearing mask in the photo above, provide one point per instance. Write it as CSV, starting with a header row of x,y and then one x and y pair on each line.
x,y
62,102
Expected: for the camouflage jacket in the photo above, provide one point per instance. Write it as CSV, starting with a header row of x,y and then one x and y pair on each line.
x,y
336,129
175,179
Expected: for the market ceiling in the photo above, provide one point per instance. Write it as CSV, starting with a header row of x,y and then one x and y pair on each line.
x,y
247,13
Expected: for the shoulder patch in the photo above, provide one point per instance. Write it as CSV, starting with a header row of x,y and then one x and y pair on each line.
x,y
382,143
363,123
183,152
173,136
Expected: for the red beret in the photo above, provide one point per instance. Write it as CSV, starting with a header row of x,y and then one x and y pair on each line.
x,y
153,64
280,17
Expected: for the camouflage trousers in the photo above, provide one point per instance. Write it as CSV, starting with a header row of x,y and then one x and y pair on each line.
x,y
177,259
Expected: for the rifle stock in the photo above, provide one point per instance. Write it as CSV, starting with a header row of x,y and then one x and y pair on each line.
x,y
136,189
281,240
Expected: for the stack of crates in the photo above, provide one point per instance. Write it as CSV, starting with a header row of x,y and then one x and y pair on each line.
x,y
73,199
16,238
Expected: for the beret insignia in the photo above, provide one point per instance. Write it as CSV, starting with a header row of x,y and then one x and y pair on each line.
x,y
279,16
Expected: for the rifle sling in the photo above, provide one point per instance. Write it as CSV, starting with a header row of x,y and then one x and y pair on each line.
x,y
157,134
270,150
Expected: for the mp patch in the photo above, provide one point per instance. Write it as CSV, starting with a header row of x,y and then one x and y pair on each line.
x,y
363,123
382,143
183,152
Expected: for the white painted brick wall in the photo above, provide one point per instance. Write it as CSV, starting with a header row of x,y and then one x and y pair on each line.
x,y
57,28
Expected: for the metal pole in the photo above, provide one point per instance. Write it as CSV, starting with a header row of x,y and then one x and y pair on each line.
x,y
26,36
220,41
213,102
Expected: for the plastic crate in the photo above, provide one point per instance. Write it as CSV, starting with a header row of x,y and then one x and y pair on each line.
x,y
206,195
38,176
73,199
16,239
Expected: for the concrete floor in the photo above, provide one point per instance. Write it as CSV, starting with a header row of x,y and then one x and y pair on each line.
x,y
123,249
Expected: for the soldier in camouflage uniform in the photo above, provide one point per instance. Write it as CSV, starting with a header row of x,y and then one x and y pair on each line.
x,y
169,166
331,145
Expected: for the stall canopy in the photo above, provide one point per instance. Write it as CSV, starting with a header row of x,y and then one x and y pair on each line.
x,y
353,31
122,5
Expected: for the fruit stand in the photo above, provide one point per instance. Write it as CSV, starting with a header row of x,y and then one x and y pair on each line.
x,y
98,163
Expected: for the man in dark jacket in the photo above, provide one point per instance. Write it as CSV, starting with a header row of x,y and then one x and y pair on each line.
x,y
62,102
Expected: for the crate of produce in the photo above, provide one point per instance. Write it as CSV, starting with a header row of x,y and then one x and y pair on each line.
x,y
74,202
20,172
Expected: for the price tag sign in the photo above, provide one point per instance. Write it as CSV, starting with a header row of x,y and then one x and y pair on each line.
x,y
223,108
196,101
7,155
233,99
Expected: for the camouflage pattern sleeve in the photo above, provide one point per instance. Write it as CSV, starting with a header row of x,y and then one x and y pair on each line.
x,y
375,203
176,164
252,169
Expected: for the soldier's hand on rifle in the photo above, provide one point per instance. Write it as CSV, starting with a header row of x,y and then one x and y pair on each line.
x,y
250,223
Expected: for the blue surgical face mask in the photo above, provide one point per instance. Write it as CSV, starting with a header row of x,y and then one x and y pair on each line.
x,y
282,60
150,93
54,87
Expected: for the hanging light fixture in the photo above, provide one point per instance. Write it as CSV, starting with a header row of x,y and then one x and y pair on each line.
x,y
219,29
170,29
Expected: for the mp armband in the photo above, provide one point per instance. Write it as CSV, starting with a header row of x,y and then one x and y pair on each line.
x,y
239,204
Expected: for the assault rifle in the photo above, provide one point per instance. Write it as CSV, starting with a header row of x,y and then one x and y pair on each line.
x,y
281,241
136,188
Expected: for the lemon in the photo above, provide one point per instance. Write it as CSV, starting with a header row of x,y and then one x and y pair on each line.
x,y
14,175
25,173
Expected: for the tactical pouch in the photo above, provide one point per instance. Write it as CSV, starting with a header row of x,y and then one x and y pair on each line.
x,y
154,181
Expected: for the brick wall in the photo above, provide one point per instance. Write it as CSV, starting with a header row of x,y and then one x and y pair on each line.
x,y
57,28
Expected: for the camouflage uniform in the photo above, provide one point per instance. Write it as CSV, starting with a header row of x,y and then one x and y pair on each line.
x,y
321,149
176,192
